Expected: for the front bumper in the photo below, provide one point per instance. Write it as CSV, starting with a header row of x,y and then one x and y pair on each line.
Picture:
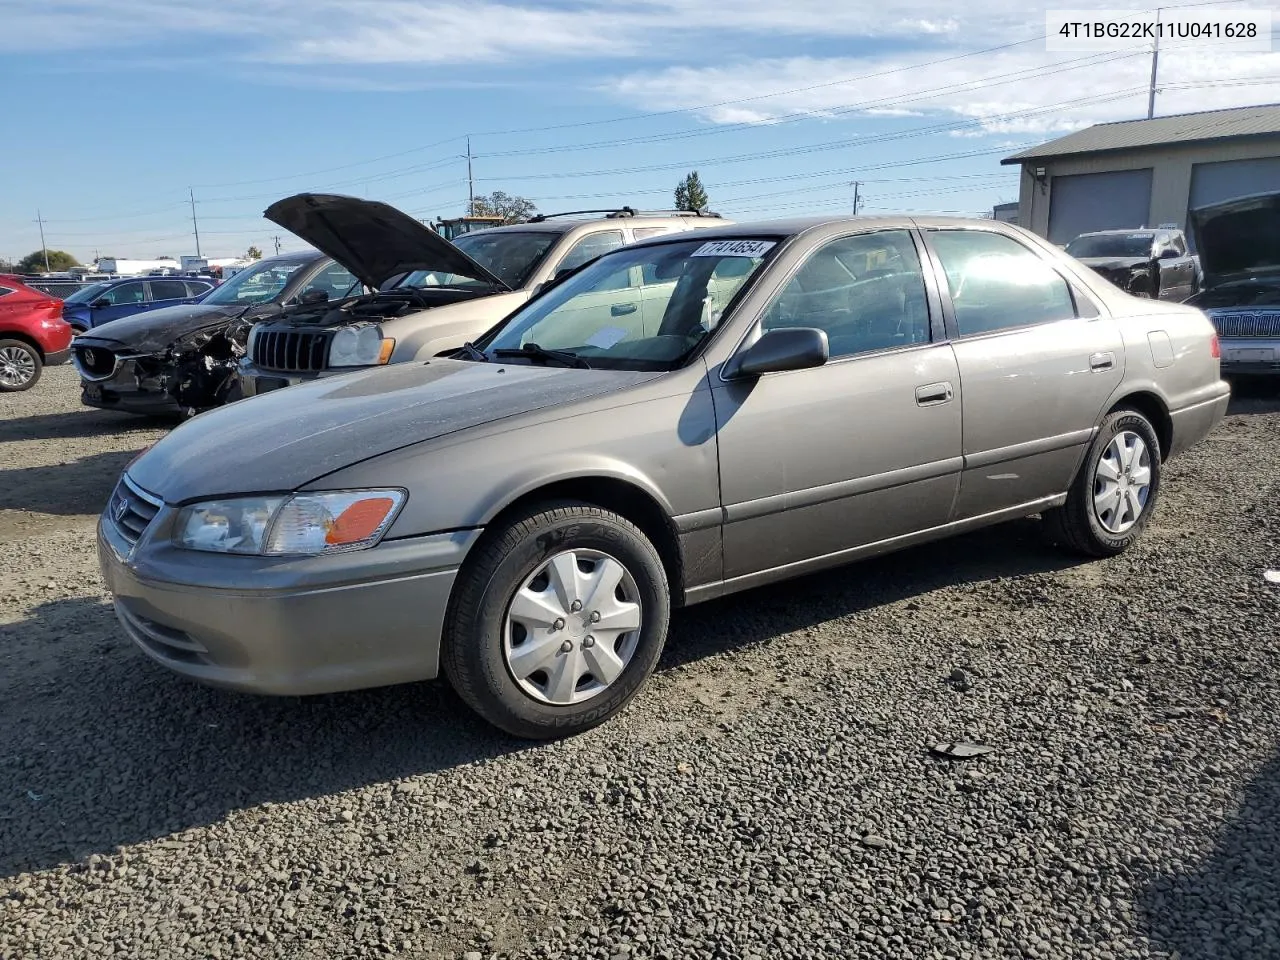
x,y
1250,356
125,390
254,381
284,626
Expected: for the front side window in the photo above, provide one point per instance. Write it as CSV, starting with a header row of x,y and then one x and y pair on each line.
x,y
590,247
600,317
510,255
867,292
262,282
125,294
86,294
996,283
335,281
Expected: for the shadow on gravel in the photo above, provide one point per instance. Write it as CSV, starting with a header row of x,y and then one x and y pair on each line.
x,y
70,426
81,487
1227,908
115,750
99,747
1251,396
1008,550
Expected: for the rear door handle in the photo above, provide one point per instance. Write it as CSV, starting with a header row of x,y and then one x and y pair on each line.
x,y
622,309
931,394
1102,361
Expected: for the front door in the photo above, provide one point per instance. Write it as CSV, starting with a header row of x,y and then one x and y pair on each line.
x,y
861,450
122,300
1037,365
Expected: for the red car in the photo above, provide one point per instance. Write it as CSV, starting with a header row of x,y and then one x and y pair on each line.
x,y
32,334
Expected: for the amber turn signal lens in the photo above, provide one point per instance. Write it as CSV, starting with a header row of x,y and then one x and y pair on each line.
x,y
360,521
388,344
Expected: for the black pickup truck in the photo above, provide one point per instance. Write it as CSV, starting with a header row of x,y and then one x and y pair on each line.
x,y
1145,262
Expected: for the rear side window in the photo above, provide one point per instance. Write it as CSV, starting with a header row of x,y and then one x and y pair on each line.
x,y
5,291
997,284
168,290
195,287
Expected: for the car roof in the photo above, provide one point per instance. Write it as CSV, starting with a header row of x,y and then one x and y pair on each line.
x,y
567,223
1104,233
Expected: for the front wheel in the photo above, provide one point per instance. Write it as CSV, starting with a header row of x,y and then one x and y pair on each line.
x,y
20,366
556,621
1113,495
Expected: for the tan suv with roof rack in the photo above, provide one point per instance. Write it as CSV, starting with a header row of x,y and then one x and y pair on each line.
x,y
432,295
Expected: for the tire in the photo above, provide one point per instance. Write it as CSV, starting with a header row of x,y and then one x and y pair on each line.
x,y
20,366
1084,527
484,636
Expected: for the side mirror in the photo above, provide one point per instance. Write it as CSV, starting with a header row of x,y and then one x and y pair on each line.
x,y
787,348
314,296
101,302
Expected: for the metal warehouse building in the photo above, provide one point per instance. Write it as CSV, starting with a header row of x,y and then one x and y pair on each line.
x,y
1147,172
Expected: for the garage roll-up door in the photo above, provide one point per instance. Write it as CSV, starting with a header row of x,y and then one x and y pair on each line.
x,y
1115,200
1215,182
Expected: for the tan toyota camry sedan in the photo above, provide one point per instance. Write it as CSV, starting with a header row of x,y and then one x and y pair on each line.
x,y
674,421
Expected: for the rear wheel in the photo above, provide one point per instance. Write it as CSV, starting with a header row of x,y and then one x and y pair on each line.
x,y
20,366
1113,495
557,621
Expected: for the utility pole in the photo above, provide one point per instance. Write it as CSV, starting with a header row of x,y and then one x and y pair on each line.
x,y
471,184
1155,60
276,238
856,184
43,248
195,225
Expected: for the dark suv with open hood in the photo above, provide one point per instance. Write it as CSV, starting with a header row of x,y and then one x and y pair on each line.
x,y
435,295
1239,245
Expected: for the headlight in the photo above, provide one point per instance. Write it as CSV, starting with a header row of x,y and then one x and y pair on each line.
x,y
305,524
359,347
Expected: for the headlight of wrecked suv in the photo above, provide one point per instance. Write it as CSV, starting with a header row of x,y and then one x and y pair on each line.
x,y
304,524
360,347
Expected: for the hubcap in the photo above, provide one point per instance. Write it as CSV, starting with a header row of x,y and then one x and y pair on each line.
x,y
1122,482
572,627
17,366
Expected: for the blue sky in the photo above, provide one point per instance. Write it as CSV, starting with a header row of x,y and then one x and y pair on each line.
x,y
574,104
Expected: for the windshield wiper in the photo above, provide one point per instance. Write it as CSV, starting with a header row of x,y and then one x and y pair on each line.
x,y
555,356
472,352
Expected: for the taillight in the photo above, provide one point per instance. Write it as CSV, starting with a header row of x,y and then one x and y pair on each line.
x,y
1215,349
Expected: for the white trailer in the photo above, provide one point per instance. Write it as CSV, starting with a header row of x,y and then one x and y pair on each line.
x,y
135,268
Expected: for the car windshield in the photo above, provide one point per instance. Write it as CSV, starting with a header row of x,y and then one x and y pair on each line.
x,y
85,294
510,255
257,284
1112,245
638,308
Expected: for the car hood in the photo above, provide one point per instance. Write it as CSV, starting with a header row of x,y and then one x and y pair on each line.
x,y
1113,263
156,330
373,240
1238,238
284,439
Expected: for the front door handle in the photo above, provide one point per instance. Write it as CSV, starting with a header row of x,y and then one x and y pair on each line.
x,y
1102,361
932,394
622,309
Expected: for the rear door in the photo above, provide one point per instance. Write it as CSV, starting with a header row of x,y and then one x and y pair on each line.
x,y
166,293
1037,362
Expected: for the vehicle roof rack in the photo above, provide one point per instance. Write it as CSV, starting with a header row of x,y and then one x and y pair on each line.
x,y
618,212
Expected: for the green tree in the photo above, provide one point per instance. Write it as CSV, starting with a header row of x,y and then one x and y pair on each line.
x,y
690,194
59,260
498,204
253,253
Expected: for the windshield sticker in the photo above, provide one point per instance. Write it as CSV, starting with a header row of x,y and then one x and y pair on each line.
x,y
607,337
734,248
1141,236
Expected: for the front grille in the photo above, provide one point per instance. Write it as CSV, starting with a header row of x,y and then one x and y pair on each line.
x,y
132,509
94,363
291,350
1246,324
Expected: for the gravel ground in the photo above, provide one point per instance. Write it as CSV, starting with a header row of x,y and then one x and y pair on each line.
x,y
771,794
